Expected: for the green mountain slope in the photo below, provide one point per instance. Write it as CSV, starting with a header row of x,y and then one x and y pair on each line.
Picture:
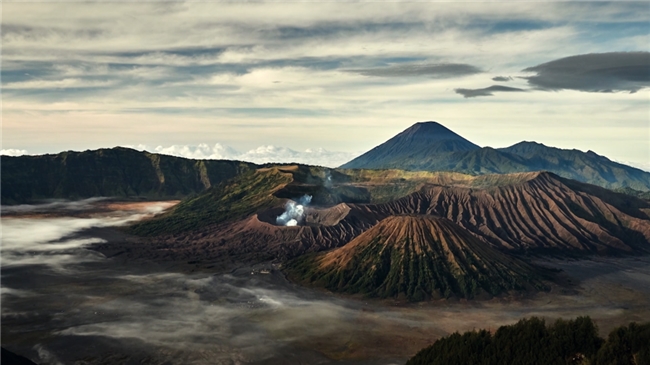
x,y
255,191
117,172
230,200
432,147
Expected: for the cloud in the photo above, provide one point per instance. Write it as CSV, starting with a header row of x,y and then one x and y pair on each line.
x,y
259,155
594,72
488,91
285,68
645,166
70,83
54,242
12,152
502,78
442,70
201,152
318,156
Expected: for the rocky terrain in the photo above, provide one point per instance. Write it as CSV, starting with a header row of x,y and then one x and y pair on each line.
x,y
417,257
488,216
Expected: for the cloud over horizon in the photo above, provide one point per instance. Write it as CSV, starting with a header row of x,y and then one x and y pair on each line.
x,y
443,70
259,155
594,72
343,76
487,91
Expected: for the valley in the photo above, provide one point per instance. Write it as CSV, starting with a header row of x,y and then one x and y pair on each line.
x,y
57,293
225,262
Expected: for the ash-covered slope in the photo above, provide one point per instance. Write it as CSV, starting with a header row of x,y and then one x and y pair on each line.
x,y
537,211
416,257
418,142
534,212
429,146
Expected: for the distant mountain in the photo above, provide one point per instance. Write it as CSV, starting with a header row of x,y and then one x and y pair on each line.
x,y
429,146
582,166
414,144
116,172
416,257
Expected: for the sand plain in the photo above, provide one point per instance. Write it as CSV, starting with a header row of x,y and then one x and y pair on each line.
x,y
64,303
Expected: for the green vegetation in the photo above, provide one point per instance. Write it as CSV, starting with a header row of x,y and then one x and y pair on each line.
x,y
389,184
532,341
253,191
645,195
116,172
230,200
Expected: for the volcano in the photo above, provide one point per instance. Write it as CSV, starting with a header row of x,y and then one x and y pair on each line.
x,y
536,213
417,142
429,146
417,257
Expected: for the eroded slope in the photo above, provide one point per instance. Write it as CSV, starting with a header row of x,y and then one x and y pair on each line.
x,y
416,257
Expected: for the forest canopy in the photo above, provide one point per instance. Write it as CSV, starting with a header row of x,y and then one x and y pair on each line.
x,y
533,341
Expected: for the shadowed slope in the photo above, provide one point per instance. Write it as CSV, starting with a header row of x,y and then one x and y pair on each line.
x,y
416,257
582,166
116,172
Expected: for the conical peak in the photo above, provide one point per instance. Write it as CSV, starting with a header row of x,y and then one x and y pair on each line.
x,y
422,229
430,129
419,142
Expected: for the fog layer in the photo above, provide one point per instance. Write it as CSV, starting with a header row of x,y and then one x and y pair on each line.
x,y
63,303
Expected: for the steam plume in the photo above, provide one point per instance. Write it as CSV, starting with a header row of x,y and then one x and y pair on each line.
x,y
293,212
328,179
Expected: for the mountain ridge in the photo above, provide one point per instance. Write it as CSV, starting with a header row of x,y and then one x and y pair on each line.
x,y
115,172
589,167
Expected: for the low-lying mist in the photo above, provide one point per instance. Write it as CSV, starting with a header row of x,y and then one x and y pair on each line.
x,y
63,303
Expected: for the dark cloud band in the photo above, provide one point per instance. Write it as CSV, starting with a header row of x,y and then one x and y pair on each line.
x,y
595,72
502,78
488,91
441,70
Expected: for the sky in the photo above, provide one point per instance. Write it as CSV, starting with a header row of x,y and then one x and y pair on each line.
x,y
323,82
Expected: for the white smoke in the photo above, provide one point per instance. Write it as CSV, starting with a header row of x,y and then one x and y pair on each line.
x,y
293,212
328,179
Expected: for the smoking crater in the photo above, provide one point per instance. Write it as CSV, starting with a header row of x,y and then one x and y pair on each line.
x,y
294,212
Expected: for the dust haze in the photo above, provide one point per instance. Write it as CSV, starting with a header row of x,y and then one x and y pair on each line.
x,y
64,303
